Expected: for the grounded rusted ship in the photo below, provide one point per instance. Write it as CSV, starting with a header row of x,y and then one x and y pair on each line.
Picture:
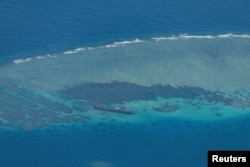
x,y
121,109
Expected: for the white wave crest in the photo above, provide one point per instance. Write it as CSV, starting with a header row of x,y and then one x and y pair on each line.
x,y
183,36
165,38
230,35
77,50
69,52
18,61
115,44
187,36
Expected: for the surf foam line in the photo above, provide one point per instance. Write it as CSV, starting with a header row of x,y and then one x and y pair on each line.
x,y
187,36
174,37
184,36
220,64
115,44
18,61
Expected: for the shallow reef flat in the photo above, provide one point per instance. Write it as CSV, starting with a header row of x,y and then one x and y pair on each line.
x,y
218,64
187,77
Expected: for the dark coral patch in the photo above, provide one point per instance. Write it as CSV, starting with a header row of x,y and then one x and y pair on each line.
x,y
118,92
166,108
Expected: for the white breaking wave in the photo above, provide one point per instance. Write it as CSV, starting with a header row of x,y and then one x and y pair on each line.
x,y
40,57
77,50
18,61
184,36
165,38
115,44
180,36
230,35
187,36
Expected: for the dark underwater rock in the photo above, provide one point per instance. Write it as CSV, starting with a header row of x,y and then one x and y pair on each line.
x,y
166,108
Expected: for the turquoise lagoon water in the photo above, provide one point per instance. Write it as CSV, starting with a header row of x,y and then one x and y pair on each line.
x,y
182,68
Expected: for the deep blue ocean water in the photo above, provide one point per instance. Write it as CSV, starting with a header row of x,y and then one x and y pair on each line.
x,y
34,27
41,27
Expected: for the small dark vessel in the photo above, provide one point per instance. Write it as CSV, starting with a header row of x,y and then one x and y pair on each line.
x,y
122,109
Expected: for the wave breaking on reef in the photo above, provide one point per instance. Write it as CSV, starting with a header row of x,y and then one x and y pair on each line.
x,y
126,42
214,62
